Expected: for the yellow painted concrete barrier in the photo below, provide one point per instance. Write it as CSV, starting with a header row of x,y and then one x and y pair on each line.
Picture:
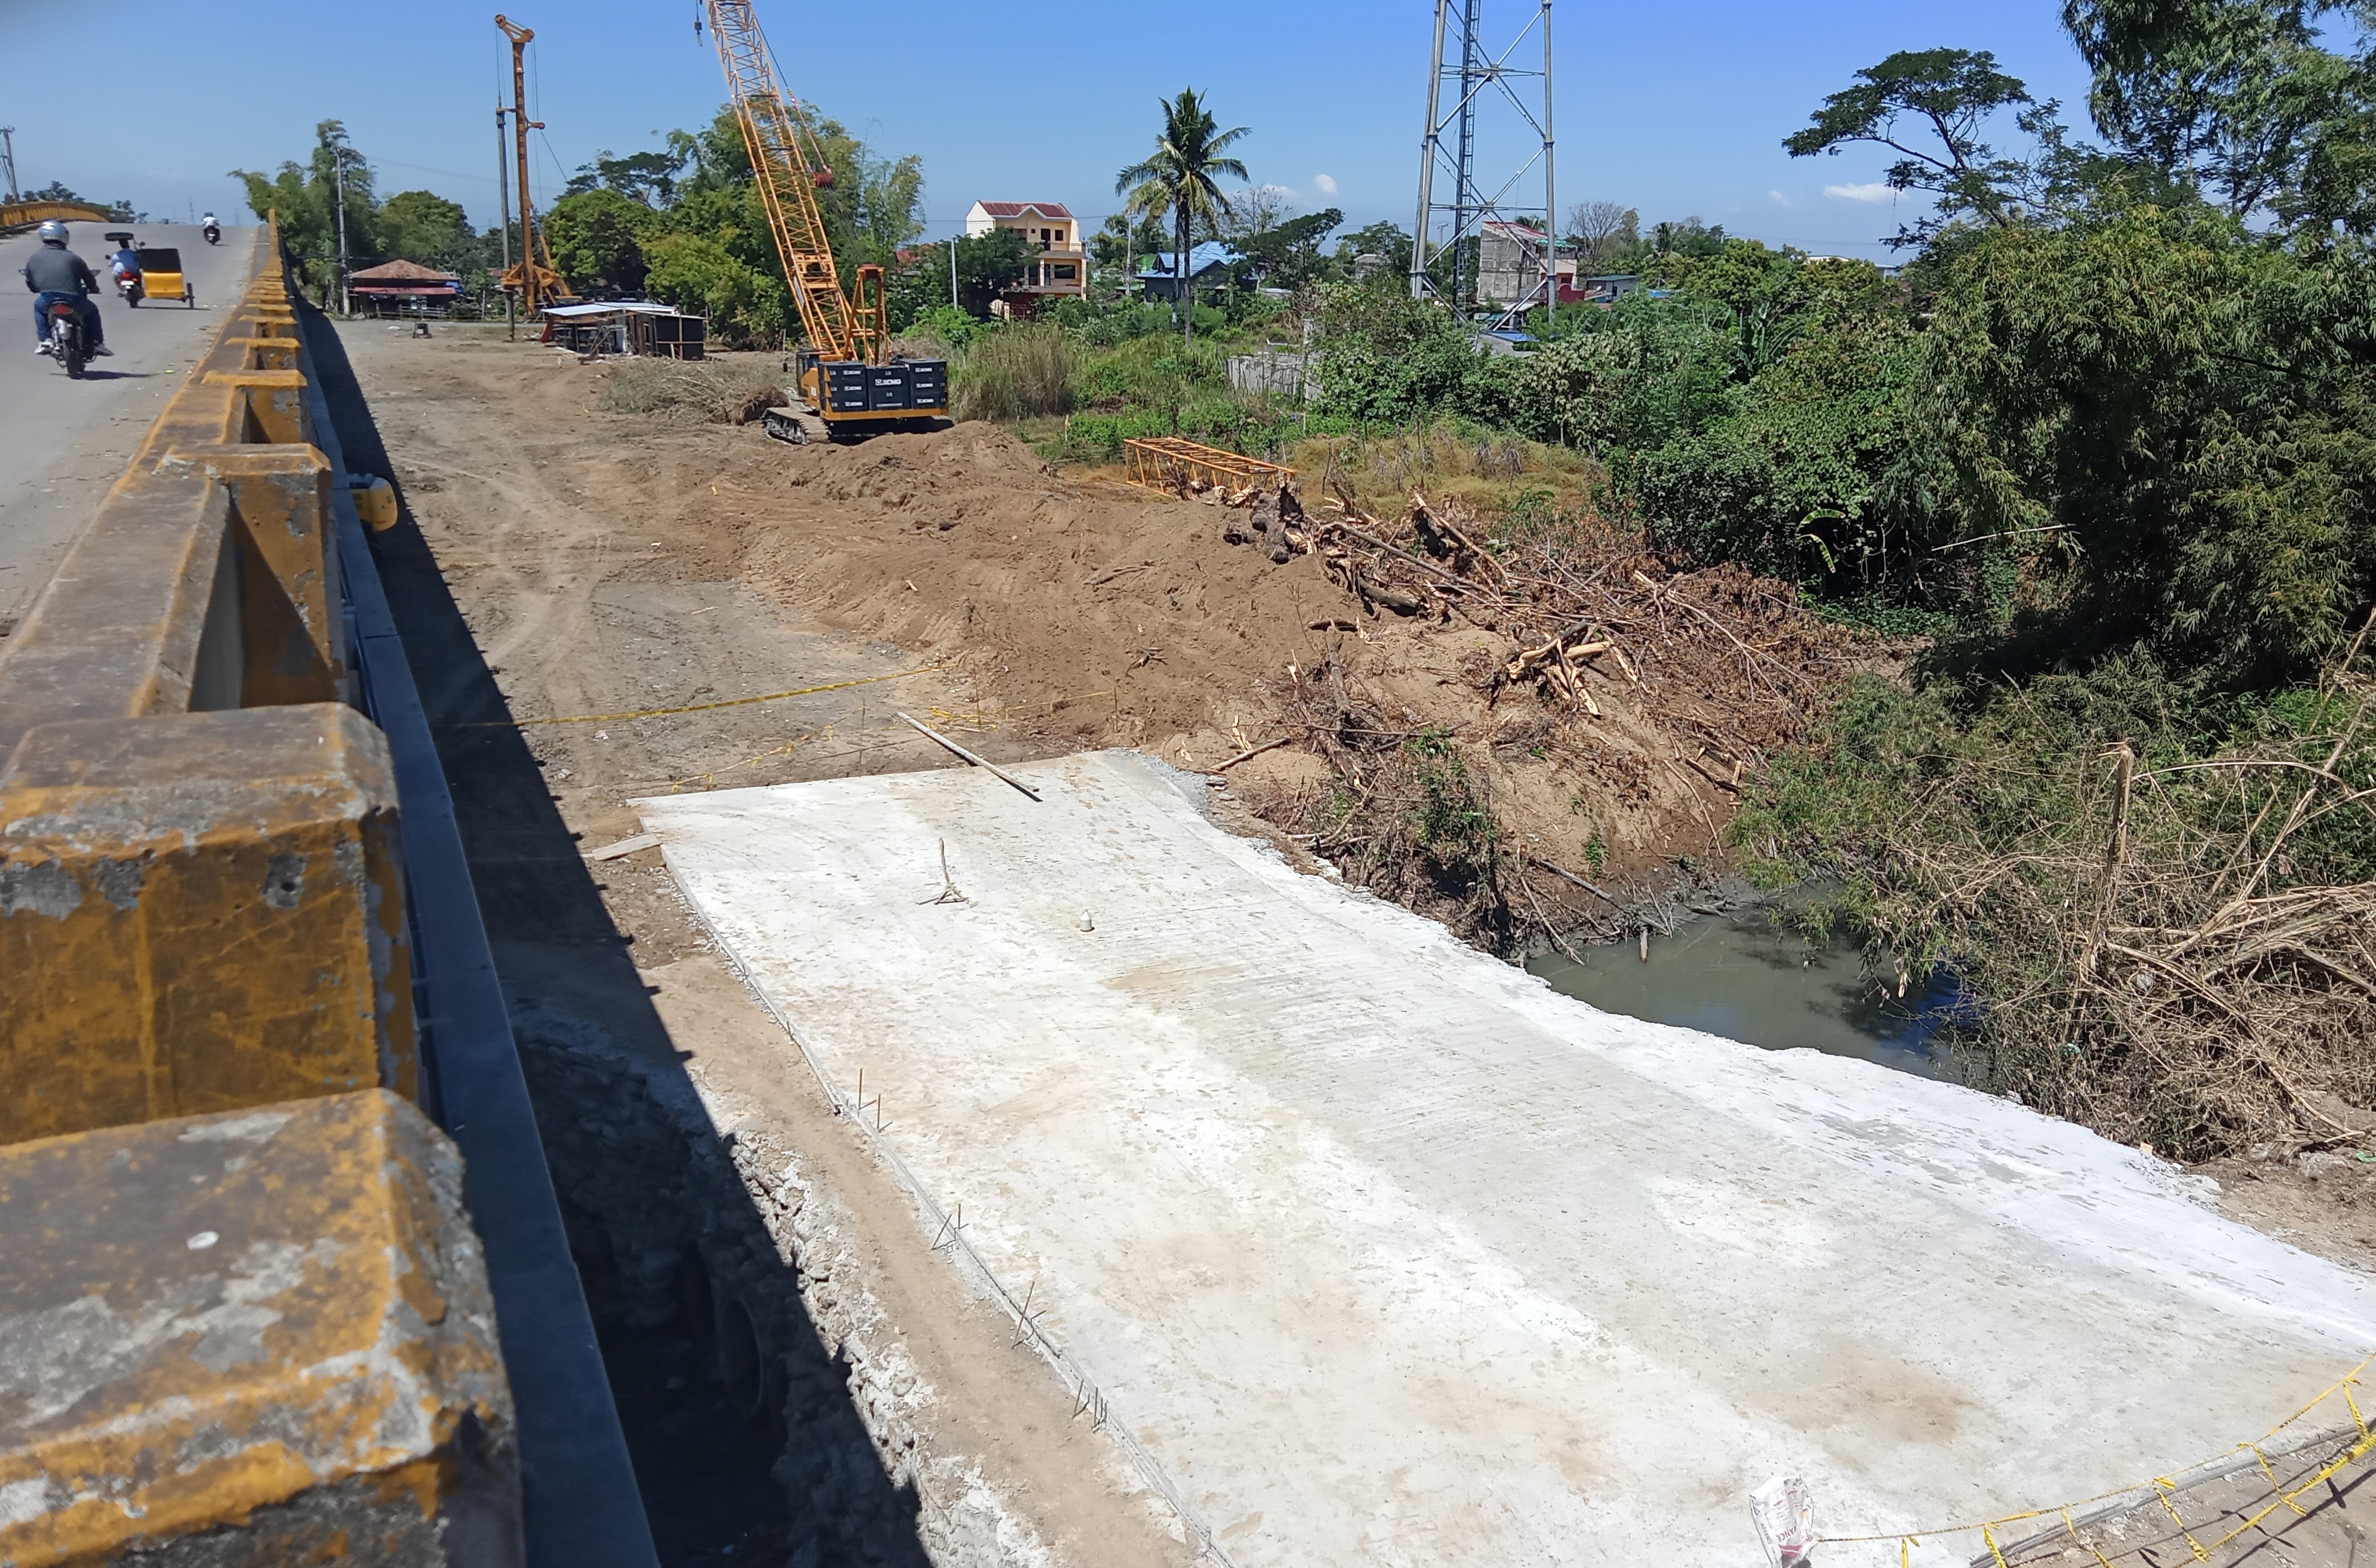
x,y
199,913
270,1330
201,893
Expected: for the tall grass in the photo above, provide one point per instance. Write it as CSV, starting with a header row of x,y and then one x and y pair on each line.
x,y
1020,372
731,390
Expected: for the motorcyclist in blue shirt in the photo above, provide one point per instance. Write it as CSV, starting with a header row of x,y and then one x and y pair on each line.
x,y
56,273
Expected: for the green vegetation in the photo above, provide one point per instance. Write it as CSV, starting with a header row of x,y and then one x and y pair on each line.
x,y
1181,177
414,225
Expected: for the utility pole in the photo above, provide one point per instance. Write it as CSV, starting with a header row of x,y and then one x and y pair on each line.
x,y
504,185
8,157
338,180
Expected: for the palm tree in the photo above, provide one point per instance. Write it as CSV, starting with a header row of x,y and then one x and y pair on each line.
x,y
1180,178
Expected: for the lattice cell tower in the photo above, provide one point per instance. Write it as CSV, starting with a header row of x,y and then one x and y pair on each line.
x,y
1493,239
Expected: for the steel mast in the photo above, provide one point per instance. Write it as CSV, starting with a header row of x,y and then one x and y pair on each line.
x,y
1448,145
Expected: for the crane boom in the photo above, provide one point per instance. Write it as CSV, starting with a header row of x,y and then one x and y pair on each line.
x,y
784,164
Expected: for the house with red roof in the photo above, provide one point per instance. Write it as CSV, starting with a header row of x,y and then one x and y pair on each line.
x,y
1061,266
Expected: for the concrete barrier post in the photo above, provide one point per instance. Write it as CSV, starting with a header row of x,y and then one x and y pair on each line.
x,y
252,1339
199,912
291,635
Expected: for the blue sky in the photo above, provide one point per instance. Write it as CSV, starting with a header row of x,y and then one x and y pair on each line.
x,y
1676,109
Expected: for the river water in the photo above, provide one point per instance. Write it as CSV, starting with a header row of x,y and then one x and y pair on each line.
x,y
1745,976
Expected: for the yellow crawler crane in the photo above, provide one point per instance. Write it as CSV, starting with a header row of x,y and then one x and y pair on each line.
x,y
850,384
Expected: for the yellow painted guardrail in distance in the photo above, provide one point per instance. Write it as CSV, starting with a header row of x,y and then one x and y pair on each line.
x,y
25,214
209,1147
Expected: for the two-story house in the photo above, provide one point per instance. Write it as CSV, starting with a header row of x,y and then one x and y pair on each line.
x,y
1062,266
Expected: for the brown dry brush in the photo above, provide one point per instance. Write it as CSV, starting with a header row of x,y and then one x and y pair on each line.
x,y
2164,953
1729,664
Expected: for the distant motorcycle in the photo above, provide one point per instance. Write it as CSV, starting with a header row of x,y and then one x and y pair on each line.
x,y
213,234
127,285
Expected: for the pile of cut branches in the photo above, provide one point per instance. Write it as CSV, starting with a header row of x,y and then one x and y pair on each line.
x,y
1728,662
1717,668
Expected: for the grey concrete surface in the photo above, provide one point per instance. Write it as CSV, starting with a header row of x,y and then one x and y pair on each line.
x,y
1380,1252
63,443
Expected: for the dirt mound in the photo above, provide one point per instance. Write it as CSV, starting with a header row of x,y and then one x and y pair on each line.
x,y
1071,611
1085,611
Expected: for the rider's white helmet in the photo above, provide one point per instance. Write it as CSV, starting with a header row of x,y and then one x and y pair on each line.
x,y
53,233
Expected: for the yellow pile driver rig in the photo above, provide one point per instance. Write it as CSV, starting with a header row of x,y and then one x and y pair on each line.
x,y
850,384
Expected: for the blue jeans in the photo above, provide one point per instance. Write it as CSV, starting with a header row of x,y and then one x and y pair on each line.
x,y
84,307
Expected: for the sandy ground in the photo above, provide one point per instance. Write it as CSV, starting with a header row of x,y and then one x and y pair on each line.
x,y
586,563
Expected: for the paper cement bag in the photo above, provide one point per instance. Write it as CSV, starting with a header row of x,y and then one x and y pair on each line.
x,y
1786,1520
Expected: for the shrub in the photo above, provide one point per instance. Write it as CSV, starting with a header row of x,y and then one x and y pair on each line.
x,y
1015,373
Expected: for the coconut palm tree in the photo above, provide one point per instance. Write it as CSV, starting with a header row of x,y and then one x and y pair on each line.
x,y
1182,178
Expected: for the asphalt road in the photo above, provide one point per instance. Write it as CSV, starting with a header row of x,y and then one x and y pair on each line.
x,y
61,442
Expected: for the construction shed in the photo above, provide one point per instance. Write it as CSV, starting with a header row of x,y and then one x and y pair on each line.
x,y
626,327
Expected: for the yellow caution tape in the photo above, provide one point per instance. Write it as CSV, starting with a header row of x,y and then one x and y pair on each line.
x,y
691,707
2163,1489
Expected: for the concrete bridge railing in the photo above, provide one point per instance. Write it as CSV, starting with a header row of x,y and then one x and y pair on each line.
x,y
248,1313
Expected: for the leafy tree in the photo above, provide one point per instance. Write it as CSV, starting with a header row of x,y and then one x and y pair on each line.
x,y
1182,176
596,238
1385,356
55,191
1288,254
424,227
2240,99
1919,96
989,265
745,306
1383,240
1686,237
306,195
650,177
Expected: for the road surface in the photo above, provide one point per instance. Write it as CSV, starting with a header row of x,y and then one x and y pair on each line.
x,y
63,443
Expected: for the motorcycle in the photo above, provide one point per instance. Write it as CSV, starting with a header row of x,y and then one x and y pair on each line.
x,y
67,346
128,286
213,234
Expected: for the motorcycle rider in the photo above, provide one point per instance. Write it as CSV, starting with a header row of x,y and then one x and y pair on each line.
x,y
124,263
212,229
56,273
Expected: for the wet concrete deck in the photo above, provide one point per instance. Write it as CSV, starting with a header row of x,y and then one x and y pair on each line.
x,y
1382,1251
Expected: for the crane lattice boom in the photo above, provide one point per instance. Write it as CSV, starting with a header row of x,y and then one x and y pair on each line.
x,y
777,136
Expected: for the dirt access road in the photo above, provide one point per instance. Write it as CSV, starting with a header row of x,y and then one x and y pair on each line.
x,y
562,572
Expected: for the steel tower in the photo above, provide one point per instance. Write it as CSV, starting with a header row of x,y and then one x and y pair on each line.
x,y
1448,147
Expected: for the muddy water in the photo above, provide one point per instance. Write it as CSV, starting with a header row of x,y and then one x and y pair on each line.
x,y
1741,976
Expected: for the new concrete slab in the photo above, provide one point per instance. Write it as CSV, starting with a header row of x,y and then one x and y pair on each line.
x,y
1385,1253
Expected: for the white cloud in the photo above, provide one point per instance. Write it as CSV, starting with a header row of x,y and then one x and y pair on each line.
x,y
1779,199
1324,185
1875,191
